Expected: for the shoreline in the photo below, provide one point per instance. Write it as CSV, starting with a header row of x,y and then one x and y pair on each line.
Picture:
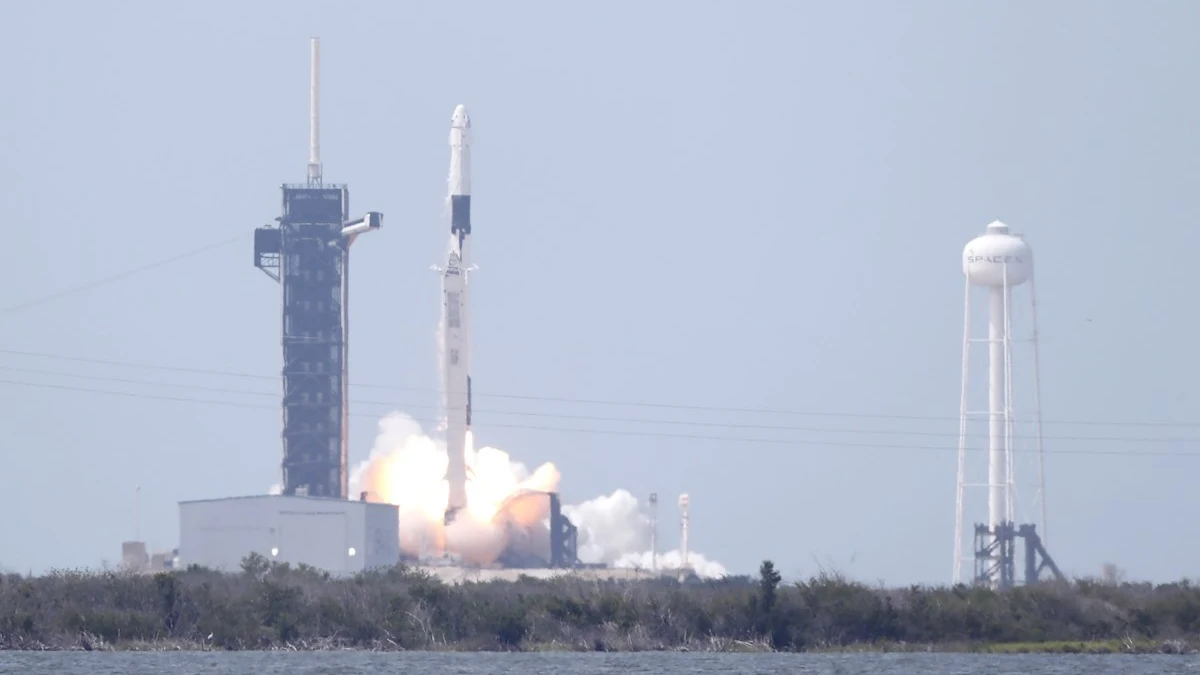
x,y
90,643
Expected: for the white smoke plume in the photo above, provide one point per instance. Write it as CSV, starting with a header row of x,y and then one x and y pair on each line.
x,y
614,530
610,527
671,560
505,509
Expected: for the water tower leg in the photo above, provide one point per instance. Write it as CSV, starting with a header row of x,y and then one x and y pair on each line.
x,y
963,415
997,457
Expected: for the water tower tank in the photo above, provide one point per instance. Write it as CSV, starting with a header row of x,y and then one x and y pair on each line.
x,y
986,256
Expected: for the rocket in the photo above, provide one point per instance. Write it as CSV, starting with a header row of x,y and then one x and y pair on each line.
x,y
456,299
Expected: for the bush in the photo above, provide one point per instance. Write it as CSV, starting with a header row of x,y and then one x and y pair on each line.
x,y
269,606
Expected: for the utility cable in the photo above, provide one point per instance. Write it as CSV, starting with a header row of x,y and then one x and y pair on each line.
x,y
117,277
592,418
619,432
559,399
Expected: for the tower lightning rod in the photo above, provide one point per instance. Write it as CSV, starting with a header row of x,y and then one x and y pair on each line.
x,y
314,116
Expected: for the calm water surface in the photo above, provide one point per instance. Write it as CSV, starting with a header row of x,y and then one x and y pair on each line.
x,y
362,663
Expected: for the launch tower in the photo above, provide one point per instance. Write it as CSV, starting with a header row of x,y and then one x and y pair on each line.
x,y
309,254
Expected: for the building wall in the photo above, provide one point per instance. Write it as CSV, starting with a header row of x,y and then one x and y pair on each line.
x,y
458,575
382,535
319,532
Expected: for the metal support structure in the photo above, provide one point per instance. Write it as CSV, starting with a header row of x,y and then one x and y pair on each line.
x,y
995,556
564,537
1037,406
962,434
1037,558
308,253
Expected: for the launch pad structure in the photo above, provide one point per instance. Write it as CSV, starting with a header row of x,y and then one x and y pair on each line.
x,y
313,520
308,253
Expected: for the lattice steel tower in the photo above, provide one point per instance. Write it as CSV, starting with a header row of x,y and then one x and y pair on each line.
x,y
309,254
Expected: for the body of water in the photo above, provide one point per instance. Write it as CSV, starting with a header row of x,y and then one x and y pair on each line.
x,y
658,663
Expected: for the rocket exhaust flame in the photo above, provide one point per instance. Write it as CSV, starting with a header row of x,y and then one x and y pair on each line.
x,y
479,505
407,467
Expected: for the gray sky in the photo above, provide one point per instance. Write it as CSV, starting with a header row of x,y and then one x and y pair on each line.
x,y
748,205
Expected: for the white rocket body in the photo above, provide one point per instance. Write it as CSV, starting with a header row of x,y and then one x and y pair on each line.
x,y
457,305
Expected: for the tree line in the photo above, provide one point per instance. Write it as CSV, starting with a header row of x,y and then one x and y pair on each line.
x,y
267,606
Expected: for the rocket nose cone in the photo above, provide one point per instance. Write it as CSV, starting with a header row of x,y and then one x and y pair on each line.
x,y
460,118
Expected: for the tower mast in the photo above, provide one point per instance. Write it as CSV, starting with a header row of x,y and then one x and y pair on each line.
x,y
308,253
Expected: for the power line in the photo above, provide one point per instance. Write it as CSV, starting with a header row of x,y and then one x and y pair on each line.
x,y
594,418
118,277
177,369
560,399
619,432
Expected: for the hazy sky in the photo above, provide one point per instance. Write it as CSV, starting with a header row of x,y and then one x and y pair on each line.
x,y
743,205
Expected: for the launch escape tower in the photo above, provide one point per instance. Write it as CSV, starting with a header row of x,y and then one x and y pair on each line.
x,y
308,253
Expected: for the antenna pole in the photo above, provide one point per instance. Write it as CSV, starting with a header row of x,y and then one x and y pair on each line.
x,y
1037,405
654,531
314,116
684,521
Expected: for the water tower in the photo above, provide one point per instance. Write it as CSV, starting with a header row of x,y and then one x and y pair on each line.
x,y
998,261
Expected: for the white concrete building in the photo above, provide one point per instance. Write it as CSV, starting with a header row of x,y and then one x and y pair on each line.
x,y
339,536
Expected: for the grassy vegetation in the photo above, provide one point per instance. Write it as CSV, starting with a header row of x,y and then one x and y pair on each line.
x,y
277,607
